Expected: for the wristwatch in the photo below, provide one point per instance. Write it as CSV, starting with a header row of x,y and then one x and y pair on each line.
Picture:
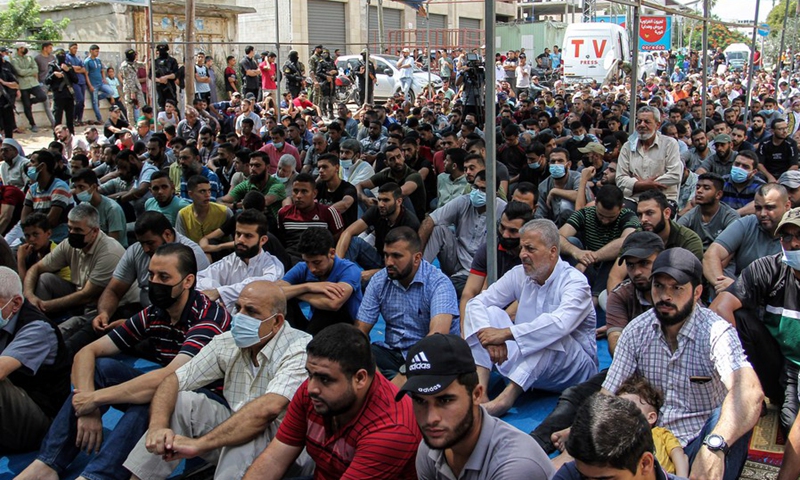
x,y
716,443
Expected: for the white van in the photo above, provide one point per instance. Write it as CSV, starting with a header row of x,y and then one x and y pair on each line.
x,y
737,55
591,51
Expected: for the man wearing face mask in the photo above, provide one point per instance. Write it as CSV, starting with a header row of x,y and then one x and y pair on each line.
x,y
166,74
189,160
34,376
455,250
229,437
178,325
559,192
225,279
354,169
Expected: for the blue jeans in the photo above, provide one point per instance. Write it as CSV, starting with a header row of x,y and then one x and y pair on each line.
x,y
734,461
80,99
363,254
58,447
100,92
405,84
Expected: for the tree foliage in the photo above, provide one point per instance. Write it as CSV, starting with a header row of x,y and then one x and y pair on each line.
x,y
20,20
775,16
718,36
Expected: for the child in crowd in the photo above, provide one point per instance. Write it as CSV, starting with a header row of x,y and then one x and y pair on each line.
x,y
37,232
669,452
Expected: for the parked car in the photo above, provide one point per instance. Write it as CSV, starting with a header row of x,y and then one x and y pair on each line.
x,y
389,76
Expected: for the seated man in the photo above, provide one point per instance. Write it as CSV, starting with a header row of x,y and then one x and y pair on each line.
x,y
761,304
189,160
229,437
333,191
611,438
455,250
85,188
332,286
459,434
746,239
47,194
368,434
305,213
558,192
451,183
397,172
709,217
273,190
225,279
415,299
742,184
389,213
91,256
164,199
592,236
680,336
515,215
203,215
550,345
34,369
178,327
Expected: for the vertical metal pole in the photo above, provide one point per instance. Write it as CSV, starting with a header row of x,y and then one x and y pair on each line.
x,y
367,86
152,80
188,55
428,38
634,67
704,59
277,63
491,149
783,36
750,68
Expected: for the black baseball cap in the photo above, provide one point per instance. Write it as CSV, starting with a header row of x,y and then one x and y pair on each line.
x,y
680,264
609,141
434,362
640,245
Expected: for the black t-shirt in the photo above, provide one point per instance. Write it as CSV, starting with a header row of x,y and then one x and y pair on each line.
x,y
120,123
778,158
431,188
324,197
417,198
506,260
274,246
381,225
512,157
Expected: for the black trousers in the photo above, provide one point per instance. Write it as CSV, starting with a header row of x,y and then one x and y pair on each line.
x,y
65,107
30,97
7,121
319,319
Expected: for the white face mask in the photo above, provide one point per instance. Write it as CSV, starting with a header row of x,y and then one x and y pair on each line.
x,y
3,320
791,258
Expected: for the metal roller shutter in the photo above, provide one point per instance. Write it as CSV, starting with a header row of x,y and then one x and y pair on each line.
x,y
465,39
392,20
326,24
437,21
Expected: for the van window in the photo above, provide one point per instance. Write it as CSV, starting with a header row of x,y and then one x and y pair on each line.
x,y
621,46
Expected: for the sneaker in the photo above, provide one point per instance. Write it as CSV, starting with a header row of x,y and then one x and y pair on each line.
x,y
34,128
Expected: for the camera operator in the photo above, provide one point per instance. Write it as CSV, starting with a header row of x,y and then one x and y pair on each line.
x,y
471,76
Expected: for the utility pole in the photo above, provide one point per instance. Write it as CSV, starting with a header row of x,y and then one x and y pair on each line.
x,y
783,36
188,53
381,46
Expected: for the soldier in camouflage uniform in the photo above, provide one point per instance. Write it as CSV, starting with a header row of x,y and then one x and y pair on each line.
x,y
315,93
132,93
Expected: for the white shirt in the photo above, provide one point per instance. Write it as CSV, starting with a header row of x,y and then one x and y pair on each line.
x,y
14,174
523,76
358,172
230,275
548,315
406,67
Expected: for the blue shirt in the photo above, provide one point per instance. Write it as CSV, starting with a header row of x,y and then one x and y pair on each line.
x,y
34,345
213,179
408,311
76,61
343,271
94,67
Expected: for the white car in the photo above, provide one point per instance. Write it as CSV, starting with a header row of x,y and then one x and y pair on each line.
x,y
389,76
647,65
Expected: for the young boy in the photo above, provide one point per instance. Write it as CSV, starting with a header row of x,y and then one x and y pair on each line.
x,y
669,452
36,229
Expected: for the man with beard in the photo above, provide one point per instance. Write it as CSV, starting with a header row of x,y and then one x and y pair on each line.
x,y
136,174
202,215
715,403
189,160
709,217
398,172
738,135
649,159
747,239
721,161
699,152
273,190
778,154
388,214
522,350
367,433
790,179
188,424
655,215
461,438
757,133
224,280
451,183
415,298
164,199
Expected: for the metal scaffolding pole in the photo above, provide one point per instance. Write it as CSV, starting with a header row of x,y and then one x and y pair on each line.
x,y
783,36
634,69
152,48
704,60
750,67
367,86
491,150
277,62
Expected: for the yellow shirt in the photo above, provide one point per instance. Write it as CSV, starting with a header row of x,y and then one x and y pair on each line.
x,y
665,442
64,273
188,225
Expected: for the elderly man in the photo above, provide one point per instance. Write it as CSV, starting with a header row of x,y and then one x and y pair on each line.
x,y
12,170
551,343
34,369
231,436
649,159
711,392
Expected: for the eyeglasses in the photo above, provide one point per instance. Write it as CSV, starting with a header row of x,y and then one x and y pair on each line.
x,y
788,237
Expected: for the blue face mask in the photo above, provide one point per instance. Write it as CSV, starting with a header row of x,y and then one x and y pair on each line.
x,y
245,330
278,145
281,179
769,112
346,164
535,166
3,320
478,198
84,196
33,174
791,258
558,171
738,175
578,138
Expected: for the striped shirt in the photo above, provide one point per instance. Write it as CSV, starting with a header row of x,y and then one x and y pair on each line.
x,y
200,321
593,234
292,223
57,194
737,199
380,442
708,346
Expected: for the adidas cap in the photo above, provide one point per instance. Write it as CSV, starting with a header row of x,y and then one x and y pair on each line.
x,y
434,362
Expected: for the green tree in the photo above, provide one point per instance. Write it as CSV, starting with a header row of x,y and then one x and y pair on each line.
x,y
21,20
775,16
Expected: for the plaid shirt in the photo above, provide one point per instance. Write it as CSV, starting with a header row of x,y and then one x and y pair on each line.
x,y
708,346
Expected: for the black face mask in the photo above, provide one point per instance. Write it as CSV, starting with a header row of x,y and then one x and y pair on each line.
x,y
508,243
77,240
587,162
161,294
61,59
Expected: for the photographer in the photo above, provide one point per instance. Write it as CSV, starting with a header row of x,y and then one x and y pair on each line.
x,y
471,80
60,77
